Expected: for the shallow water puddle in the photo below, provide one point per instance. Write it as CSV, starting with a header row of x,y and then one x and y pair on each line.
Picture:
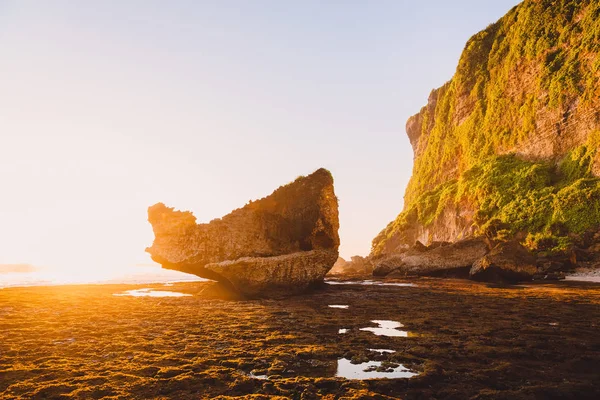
x,y
387,328
395,284
369,282
151,293
592,277
382,351
260,377
368,370
338,306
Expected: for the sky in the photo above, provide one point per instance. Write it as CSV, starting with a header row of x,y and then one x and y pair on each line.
x,y
109,107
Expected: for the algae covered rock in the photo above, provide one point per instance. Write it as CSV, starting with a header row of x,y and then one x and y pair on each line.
x,y
286,240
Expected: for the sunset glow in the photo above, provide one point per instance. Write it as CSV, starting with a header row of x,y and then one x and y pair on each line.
x,y
109,110
304,200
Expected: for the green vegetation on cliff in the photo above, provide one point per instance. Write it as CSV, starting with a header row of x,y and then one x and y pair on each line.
x,y
511,196
542,56
509,136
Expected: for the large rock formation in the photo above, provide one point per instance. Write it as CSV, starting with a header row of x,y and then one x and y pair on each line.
x,y
512,138
507,262
356,266
282,243
454,259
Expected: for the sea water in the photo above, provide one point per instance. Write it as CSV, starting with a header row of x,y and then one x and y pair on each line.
x,y
127,275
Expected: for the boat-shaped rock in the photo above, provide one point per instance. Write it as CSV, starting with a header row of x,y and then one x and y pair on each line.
x,y
282,244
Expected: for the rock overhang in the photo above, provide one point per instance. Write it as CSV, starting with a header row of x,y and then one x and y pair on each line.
x,y
292,234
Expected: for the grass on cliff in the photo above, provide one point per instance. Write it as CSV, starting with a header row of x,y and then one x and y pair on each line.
x,y
519,80
541,59
547,202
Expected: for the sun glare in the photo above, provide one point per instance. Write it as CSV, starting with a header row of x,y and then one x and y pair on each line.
x,y
80,274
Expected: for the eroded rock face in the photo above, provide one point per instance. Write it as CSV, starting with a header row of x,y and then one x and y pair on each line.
x,y
420,260
356,266
278,275
288,239
388,264
507,262
339,267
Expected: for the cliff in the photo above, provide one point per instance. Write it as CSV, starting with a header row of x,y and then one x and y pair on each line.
x,y
508,146
281,243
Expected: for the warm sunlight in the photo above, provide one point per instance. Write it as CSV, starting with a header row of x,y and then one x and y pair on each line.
x,y
79,274
232,199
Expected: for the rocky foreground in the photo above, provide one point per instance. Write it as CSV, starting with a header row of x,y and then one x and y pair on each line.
x,y
465,340
479,259
281,244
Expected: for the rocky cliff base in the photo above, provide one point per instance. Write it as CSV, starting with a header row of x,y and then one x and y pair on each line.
x,y
490,261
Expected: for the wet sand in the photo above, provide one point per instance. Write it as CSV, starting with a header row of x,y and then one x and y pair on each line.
x,y
465,340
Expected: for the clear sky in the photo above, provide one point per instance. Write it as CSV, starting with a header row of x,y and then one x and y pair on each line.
x,y
107,107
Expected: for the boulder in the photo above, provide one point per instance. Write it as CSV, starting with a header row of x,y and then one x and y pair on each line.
x,y
507,262
275,276
283,243
361,264
450,259
356,266
551,266
339,267
441,259
436,244
419,247
578,255
385,266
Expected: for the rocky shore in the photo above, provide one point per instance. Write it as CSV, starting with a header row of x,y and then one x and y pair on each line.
x,y
463,339
485,260
481,259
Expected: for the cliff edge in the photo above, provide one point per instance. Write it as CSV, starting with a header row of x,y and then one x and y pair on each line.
x,y
508,147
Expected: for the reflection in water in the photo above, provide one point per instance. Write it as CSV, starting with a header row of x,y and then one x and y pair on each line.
x,y
368,370
387,328
369,282
584,277
338,306
382,351
260,377
151,293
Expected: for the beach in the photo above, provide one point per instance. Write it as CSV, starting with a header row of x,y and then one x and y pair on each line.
x,y
453,338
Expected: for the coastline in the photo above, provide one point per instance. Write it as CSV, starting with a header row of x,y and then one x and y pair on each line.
x,y
132,276
464,339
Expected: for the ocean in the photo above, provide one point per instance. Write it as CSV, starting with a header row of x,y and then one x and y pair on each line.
x,y
128,275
